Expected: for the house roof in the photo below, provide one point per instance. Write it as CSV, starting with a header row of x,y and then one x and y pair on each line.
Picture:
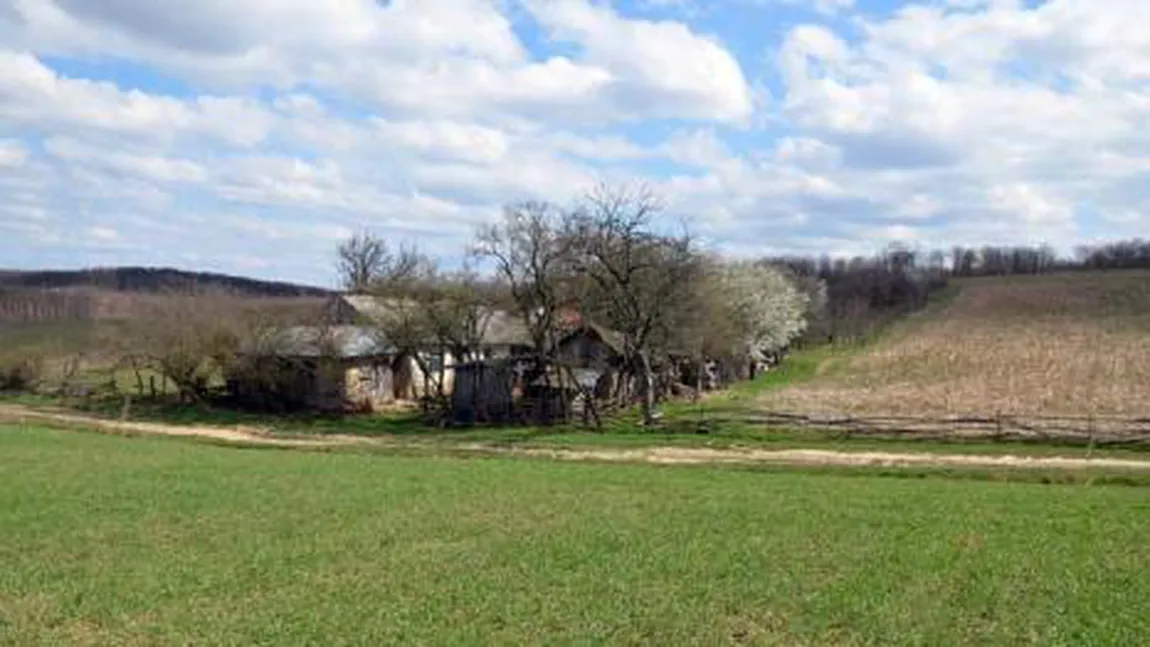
x,y
374,308
505,329
346,342
612,338
500,327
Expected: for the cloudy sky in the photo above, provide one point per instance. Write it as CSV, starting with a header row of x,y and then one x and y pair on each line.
x,y
251,136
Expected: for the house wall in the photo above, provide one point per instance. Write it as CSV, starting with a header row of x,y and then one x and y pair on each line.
x,y
369,385
411,383
327,386
324,385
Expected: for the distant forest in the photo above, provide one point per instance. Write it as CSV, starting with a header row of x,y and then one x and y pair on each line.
x,y
863,293
124,292
150,280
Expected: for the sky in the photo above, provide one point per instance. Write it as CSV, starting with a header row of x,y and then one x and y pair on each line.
x,y
251,137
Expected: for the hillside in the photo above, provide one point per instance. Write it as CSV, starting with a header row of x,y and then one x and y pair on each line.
x,y
1063,345
125,292
153,281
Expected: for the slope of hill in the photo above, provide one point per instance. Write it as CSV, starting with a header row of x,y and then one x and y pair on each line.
x,y
127,292
1022,346
152,280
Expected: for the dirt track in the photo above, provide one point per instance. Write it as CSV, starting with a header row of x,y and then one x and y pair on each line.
x,y
659,455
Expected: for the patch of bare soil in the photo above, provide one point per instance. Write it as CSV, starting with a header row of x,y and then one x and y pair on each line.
x,y
239,434
655,455
817,457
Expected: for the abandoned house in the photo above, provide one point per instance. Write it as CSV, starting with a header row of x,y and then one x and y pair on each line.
x,y
335,369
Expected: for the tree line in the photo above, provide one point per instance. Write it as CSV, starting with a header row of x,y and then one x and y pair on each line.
x,y
153,280
864,293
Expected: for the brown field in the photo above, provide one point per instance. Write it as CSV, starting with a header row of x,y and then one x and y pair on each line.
x,y
1061,345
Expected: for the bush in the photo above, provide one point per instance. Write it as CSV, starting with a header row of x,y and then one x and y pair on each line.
x,y
24,374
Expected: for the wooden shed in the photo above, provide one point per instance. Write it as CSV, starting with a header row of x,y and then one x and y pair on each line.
x,y
487,391
516,389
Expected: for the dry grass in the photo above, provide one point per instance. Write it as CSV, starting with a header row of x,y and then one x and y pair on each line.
x,y
1057,345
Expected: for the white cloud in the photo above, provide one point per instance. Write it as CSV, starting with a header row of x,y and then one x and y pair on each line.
x,y
442,57
296,122
103,234
34,97
825,7
951,113
661,66
148,167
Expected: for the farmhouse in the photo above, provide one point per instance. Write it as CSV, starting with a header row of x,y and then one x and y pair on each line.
x,y
336,369
351,366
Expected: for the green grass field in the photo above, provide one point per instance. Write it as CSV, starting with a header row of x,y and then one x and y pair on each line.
x,y
110,540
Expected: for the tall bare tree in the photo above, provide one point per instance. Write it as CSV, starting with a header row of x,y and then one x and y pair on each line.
x,y
531,252
402,284
639,275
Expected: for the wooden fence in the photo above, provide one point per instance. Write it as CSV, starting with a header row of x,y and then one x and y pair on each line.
x,y
1097,430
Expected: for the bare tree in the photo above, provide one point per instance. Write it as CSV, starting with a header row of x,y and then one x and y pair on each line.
x,y
190,340
403,285
364,258
458,307
638,275
532,253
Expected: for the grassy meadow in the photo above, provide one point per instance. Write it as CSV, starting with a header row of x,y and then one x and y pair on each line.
x,y
151,541
1076,344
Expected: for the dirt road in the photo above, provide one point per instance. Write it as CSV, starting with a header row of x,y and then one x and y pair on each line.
x,y
246,436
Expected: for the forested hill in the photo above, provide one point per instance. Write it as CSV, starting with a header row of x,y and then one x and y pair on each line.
x,y
153,280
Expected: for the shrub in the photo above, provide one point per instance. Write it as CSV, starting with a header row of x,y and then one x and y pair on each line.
x,y
21,374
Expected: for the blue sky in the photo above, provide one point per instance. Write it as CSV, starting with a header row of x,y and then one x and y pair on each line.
x,y
252,137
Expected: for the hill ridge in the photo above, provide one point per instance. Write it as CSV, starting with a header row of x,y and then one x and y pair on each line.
x,y
152,280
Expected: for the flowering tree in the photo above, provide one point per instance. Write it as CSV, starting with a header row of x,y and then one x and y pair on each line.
x,y
767,309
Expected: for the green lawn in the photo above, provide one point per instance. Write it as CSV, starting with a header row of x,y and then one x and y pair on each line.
x,y
110,540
